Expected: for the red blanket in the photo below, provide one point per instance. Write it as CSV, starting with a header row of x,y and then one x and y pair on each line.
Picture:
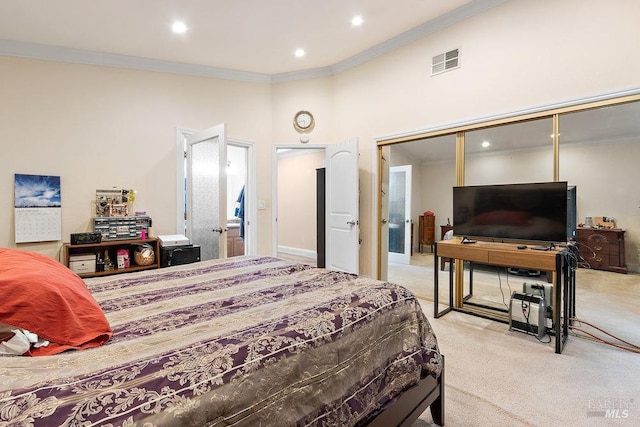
x,y
44,297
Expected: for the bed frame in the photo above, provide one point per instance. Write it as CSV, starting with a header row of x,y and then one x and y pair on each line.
x,y
429,392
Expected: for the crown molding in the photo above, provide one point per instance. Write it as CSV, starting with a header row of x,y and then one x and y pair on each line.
x,y
78,56
312,73
55,53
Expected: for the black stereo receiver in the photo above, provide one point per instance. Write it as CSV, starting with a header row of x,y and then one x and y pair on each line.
x,y
178,255
85,238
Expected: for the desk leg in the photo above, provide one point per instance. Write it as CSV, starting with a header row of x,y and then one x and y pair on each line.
x,y
563,307
466,297
436,273
567,298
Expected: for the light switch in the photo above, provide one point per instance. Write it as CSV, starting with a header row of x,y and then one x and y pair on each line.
x,y
262,204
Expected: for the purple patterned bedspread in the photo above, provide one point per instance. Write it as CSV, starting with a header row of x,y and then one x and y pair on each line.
x,y
241,341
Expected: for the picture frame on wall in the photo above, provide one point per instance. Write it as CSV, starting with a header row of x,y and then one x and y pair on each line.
x,y
118,209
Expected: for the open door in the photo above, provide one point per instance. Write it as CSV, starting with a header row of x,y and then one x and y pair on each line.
x,y
206,191
400,214
342,205
384,154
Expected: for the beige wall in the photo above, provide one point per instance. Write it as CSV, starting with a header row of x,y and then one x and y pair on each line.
x,y
99,127
519,55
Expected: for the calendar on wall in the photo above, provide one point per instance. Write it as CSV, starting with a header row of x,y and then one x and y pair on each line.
x,y
38,208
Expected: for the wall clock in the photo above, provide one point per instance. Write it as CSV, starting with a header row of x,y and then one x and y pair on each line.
x,y
303,121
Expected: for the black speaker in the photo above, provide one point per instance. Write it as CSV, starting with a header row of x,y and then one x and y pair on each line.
x,y
85,238
178,255
571,212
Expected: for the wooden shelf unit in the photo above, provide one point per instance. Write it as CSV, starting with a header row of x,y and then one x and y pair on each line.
x,y
112,247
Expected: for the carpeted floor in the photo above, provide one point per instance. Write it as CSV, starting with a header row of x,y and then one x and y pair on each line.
x,y
501,378
495,377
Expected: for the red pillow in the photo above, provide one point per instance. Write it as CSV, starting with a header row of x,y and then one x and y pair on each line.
x,y
44,297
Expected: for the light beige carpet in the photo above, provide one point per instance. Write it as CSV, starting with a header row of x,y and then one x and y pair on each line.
x,y
495,377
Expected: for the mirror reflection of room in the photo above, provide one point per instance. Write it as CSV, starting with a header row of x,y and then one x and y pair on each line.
x,y
432,162
598,150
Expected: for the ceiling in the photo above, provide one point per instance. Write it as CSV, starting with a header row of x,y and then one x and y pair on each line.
x,y
248,36
253,40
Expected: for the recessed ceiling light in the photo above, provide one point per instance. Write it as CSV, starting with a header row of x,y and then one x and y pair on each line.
x,y
485,144
357,21
299,53
179,27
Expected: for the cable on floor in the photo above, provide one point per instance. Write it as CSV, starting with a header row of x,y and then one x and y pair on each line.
x,y
628,347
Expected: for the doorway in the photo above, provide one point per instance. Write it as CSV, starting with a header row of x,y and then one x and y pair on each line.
x,y
341,196
400,222
295,202
233,173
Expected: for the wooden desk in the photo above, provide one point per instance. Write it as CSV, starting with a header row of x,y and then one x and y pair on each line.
x,y
508,255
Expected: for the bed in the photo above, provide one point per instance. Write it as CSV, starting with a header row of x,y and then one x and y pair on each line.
x,y
243,341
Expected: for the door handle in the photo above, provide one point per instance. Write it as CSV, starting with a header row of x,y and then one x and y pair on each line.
x,y
352,222
384,221
219,230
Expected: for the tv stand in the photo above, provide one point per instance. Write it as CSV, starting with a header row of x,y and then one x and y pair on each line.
x,y
508,255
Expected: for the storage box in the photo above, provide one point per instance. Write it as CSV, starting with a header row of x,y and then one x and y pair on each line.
x,y
171,240
82,263
604,222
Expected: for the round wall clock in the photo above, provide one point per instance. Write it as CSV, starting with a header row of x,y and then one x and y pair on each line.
x,y
303,121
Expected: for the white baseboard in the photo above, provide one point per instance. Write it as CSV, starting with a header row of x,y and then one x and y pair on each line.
x,y
298,252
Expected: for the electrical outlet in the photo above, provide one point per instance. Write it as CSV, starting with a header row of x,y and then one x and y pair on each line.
x,y
262,204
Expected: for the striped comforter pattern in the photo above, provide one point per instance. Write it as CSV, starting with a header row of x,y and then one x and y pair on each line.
x,y
242,341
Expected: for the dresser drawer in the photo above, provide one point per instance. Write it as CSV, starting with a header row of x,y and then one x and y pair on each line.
x,y
602,249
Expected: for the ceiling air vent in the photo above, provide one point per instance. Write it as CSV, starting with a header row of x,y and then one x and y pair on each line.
x,y
445,62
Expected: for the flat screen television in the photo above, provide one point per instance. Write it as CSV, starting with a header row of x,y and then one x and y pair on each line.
x,y
535,212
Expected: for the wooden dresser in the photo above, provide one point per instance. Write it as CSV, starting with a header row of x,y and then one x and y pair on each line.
x,y
426,231
602,248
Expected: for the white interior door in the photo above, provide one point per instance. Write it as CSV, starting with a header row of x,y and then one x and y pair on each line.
x,y
400,214
342,204
206,191
383,230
